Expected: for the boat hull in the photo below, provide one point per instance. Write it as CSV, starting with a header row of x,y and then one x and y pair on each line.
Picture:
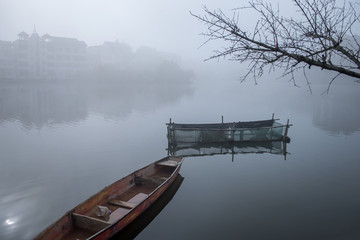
x,y
131,216
82,223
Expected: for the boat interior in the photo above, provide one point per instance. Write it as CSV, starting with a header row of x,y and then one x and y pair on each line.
x,y
117,200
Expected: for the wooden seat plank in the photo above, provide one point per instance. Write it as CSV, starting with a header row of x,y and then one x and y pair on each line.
x,y
122,211
89,223
117,214
169,163
120,203
138,198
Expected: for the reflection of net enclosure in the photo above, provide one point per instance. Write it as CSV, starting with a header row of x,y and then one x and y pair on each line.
x,y
204,149
267,130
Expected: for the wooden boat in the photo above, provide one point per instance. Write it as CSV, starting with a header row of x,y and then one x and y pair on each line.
x,y
251,131
110,210
135,227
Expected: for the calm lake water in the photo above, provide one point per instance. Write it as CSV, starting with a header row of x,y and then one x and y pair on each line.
x,y
61,143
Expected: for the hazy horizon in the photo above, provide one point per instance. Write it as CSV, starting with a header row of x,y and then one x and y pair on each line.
x,y
166,26
163,25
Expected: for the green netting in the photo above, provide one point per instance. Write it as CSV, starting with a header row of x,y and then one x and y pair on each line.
x,y
179,133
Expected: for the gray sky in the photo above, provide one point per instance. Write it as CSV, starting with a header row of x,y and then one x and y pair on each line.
x,y
163,24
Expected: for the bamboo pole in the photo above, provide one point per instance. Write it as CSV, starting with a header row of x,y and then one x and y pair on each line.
x,y
284,149
286,130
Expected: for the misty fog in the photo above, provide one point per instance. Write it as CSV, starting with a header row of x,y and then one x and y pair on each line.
x,y
86,88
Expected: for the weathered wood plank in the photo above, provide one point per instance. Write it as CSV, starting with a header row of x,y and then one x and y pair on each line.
x,y
117,214
150,180
89,223
122,203
125,206
138,198
169,163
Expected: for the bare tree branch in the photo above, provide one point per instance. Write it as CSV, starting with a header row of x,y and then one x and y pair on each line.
x,y
323,36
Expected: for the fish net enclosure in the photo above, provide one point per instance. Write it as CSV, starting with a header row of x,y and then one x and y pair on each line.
x,y
268,130
224,126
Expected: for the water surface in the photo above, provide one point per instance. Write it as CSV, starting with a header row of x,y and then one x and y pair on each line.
x,y
61,143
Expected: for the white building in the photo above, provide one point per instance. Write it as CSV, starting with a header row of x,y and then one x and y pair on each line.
x,y
113,54
46,57
65,57
7,60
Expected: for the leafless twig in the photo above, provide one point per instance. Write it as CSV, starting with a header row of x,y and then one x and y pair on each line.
x,y
323,37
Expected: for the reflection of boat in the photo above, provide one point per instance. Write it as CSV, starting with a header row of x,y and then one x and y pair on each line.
x,y
134,228
265,130
217,148
107,212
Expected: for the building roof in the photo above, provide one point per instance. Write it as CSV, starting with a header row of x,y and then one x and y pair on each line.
x,y
23,35
62,40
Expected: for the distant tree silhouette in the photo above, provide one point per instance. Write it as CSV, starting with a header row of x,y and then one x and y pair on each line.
x,y
322,36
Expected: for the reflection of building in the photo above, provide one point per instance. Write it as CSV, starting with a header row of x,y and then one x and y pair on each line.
x,y
41,105
35,57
